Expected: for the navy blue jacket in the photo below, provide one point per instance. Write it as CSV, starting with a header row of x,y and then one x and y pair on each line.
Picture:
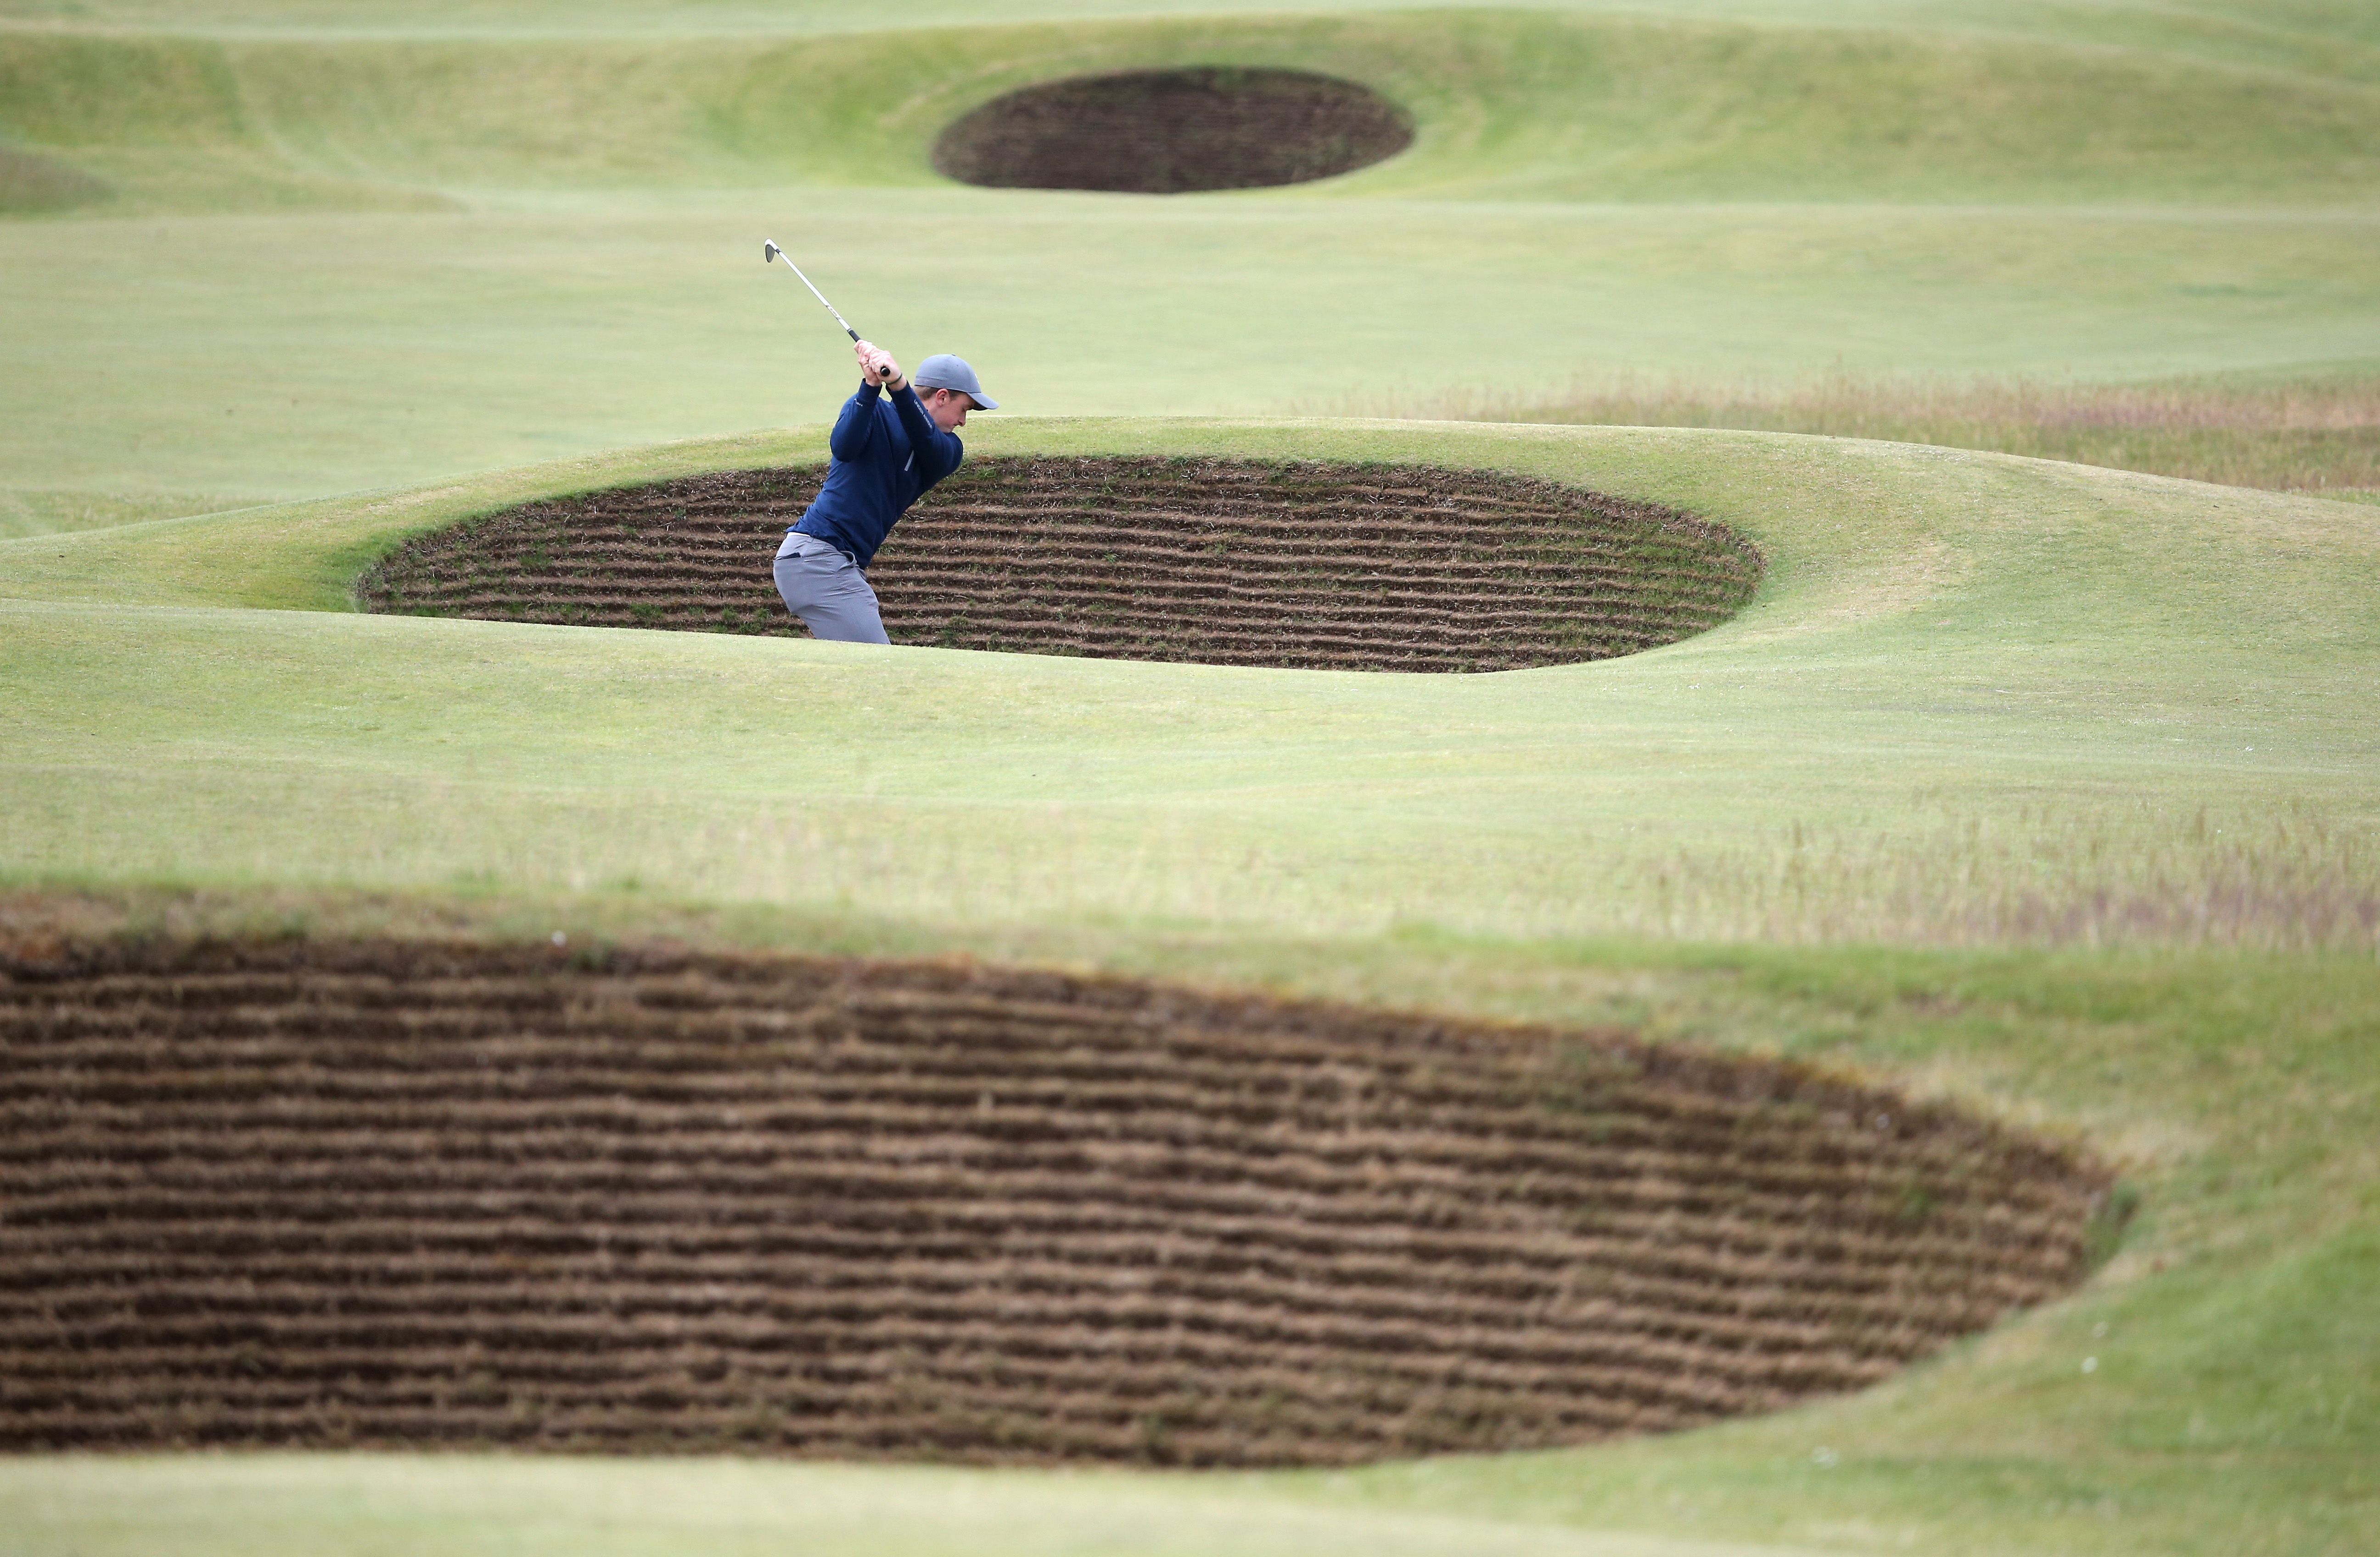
x,y
887,454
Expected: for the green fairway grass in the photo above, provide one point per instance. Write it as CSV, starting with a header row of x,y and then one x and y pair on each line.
x,y
340,253
262,357
2049,788
1977,698
279,1504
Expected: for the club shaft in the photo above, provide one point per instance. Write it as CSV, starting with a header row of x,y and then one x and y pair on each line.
x,y
816,292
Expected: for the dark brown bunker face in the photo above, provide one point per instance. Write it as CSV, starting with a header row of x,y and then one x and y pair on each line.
x,y
385,1193
1312,566
1165,132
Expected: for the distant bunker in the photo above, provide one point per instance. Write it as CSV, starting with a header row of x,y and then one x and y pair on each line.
x,y
389,1193
1313,566
1168,132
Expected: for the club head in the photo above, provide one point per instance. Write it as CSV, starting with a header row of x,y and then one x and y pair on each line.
x,y
768,252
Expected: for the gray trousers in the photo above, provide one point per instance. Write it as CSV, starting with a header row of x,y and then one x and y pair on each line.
x,y
827,590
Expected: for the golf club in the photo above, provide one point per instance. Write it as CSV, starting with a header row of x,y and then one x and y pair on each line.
x,y
769,250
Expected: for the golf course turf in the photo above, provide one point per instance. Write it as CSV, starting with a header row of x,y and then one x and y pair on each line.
x,y
2029,791
1926,629
1316,566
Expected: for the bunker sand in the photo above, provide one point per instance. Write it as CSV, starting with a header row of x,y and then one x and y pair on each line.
x,y
407,1193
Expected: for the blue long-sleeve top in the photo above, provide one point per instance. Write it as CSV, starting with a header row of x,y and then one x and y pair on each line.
x,y
887,454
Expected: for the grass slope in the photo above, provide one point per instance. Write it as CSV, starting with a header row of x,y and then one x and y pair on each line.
x,y
1512,105
356,258
2321,38
1977,697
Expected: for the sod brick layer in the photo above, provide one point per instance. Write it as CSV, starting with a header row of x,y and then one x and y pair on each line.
x,y
407,1194
1168,132
1306,565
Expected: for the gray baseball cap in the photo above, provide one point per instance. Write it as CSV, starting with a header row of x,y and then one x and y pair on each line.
x,y
945,371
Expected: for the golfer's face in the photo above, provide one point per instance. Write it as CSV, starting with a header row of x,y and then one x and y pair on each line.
x,y
949,409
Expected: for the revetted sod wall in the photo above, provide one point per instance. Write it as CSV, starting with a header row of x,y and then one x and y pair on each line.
x,y
1165,132
1308,565
407,1194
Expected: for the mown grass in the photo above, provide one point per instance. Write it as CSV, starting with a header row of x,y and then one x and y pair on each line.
x,y
47,512
1977,701
342,257
275,357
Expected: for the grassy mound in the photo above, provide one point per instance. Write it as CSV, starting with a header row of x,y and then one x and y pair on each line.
x,y
1505,105
1310,566
1752,780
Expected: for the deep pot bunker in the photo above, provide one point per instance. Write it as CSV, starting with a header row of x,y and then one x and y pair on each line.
x,y
1319,566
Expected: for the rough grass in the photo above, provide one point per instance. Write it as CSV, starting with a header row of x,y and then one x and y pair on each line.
x,y
30,182
2321,434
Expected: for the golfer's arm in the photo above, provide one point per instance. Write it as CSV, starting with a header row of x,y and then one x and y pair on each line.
x,y
849,439
938,452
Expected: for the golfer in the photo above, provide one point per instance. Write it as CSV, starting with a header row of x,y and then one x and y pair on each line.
x,y
895,440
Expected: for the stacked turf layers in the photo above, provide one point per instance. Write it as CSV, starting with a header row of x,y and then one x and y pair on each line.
x,y
1312,566
391,1193
1167,132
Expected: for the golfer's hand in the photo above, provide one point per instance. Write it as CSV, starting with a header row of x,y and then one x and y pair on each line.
x,y
878,365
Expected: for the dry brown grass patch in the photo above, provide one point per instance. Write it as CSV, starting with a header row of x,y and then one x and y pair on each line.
x,y
2315,436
